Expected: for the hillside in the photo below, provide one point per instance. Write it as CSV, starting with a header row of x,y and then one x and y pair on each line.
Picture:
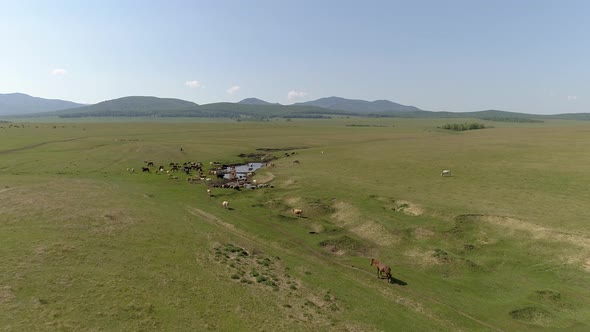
x,y
127,106
255,101
20,103
359,106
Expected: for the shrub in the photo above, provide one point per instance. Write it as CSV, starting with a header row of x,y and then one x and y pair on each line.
x,y
463,126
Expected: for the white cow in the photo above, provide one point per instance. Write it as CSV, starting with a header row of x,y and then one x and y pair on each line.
x,y
225,204
209,192
446,172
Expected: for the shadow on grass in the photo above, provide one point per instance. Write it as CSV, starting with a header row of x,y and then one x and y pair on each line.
x,y
396,281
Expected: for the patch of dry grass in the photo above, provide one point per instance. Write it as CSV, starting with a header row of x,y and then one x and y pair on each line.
x,y
349,217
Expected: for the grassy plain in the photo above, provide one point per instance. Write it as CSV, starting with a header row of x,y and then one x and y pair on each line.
x,y
503,244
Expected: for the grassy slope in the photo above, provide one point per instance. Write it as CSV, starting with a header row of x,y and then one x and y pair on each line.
x,y
91,246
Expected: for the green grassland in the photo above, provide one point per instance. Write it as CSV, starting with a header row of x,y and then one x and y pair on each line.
x,y
502,245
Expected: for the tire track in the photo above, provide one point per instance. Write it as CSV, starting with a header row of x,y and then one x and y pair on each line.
x,y
28,147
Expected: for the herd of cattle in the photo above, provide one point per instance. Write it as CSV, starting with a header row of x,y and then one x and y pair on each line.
x,y
218,176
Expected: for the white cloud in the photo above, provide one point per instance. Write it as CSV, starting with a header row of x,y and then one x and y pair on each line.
x,y
194,84
572,97
292,95
233,89
58,71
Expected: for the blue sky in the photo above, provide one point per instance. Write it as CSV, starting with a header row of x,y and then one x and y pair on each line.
x,y
524,56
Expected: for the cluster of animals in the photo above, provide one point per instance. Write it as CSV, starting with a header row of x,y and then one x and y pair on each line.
x,y
234,180
219,176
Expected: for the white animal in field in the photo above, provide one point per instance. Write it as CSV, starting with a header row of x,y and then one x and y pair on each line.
x,y
209,192
297,212
446,172
225,204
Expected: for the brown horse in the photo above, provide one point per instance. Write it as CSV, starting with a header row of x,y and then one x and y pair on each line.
x,y
381,269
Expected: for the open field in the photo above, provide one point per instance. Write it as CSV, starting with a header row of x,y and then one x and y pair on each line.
x,y
502,245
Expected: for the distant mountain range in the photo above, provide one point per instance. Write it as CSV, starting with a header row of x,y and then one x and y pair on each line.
x,y
360,106
20,103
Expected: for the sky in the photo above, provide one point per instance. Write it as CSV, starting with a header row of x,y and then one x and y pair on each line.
x,y
523,56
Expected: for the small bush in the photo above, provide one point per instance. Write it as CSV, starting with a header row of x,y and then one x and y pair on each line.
x,y
441,255
235,276
264,262
270,283
529,314
549,295
463,126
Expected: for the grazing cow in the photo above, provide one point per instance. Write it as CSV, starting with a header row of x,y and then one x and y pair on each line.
x,y
132,170
297,212
225,204
150,163
161,168
446,172
145,169
209,192
381,269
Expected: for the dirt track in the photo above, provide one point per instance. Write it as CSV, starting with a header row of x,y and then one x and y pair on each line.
x,y
39,144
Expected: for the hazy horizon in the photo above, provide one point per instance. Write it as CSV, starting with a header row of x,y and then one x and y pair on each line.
x,y
457,56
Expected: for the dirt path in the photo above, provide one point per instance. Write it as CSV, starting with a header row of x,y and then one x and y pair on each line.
x,y
232,229
28,147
